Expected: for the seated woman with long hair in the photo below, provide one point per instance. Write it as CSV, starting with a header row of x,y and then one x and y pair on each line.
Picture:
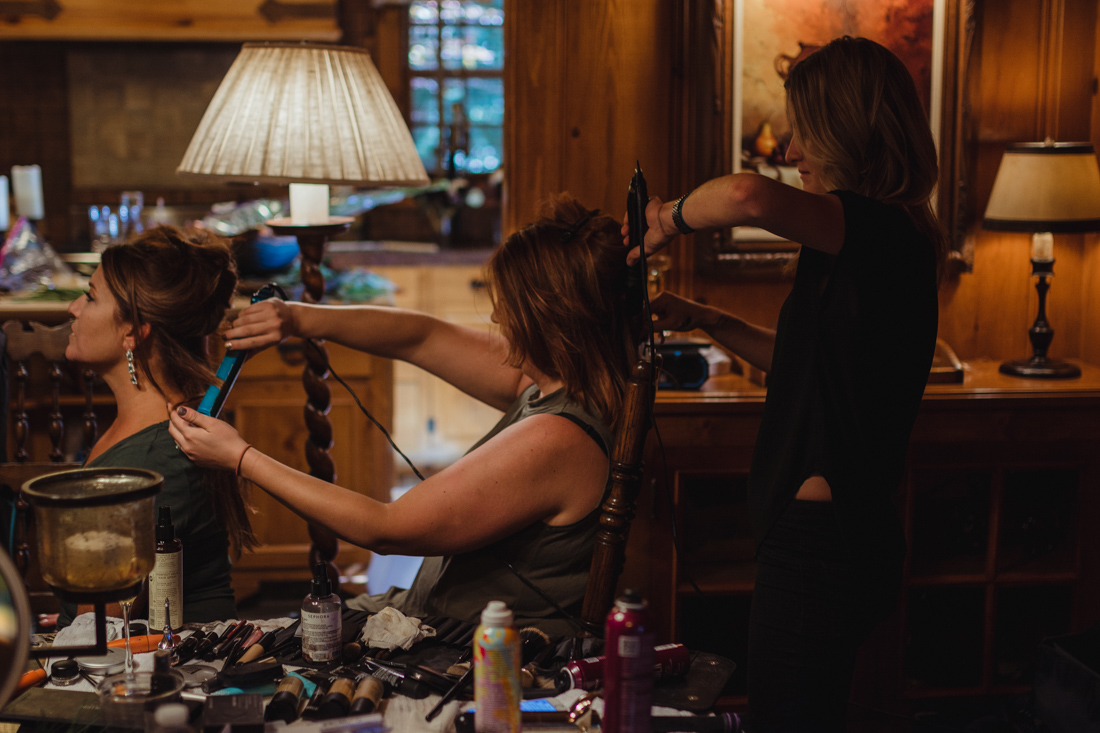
x,y
515,518
143,327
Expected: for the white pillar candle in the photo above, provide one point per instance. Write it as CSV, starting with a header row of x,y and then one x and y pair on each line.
x,y
1042,247
26,183
308,203
4,214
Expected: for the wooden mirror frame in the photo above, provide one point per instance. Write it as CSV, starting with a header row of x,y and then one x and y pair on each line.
x,y
715,33
15,627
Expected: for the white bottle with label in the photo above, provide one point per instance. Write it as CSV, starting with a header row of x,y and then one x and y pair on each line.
x,y
166,578
321,620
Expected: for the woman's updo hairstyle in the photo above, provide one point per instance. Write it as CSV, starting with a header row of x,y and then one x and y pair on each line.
x,y
180,284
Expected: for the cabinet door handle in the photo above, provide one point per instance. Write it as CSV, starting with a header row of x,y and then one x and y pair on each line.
x,y
477,284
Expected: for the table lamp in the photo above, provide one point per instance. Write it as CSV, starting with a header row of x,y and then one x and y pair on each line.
x,y
1044,188
307,115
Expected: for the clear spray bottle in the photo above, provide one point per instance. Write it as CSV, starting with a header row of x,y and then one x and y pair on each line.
x,y
321,619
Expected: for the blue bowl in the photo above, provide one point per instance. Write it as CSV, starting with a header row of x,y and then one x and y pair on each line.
x,y
268,254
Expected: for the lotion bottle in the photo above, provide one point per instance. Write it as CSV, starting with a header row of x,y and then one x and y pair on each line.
x,y
321,620
166,579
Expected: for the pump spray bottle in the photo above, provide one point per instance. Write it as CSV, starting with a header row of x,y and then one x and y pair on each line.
x,y
321,620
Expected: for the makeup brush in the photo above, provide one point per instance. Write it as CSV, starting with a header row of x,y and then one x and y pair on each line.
x,y
533,643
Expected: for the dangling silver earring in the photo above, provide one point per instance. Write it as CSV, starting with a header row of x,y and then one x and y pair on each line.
x,y
130,367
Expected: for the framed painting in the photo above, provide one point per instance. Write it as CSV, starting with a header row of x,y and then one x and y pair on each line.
x,y
769,36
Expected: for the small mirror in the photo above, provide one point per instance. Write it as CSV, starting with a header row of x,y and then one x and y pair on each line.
x,y
15,627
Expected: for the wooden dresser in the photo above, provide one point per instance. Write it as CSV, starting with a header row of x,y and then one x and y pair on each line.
x,y
1001,489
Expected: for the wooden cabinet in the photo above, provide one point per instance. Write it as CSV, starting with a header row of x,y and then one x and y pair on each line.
x,y
455,293
266,406
1001,486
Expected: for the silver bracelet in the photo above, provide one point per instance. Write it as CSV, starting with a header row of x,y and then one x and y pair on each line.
x,y
678,217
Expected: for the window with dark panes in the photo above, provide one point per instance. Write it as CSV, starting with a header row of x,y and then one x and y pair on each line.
x,y
456,62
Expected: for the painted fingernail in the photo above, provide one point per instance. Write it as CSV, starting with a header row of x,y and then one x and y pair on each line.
x,y
181,411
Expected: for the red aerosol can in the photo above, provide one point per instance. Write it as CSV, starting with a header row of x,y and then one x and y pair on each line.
x,y
628,668
670,660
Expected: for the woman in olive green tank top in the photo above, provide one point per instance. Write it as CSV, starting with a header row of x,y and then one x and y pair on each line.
x,y
527,492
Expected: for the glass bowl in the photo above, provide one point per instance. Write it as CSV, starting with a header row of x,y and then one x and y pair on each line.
x,y
129,700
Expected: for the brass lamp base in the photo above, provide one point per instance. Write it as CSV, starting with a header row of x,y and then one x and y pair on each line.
x,y
1040,367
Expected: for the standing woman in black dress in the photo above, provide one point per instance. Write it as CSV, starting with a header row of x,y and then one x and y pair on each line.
x,y
847,364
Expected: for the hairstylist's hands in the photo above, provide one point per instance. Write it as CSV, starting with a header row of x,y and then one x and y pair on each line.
x,y
262,324
673,313
656,238
207,441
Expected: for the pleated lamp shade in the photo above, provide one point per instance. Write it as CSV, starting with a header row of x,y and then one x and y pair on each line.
x,y
303,113
1045,187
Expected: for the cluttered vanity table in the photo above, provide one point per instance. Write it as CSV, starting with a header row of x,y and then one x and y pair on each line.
x,y
381,671
1001,484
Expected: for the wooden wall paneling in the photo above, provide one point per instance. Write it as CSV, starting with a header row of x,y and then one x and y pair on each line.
x,y
34,126
1010,59
1090,300
615,110
535,86
586,88
1076,91
170,20
382,30
1094,85
998,318
1089,307
1029,81
1064,297
989,314
135,108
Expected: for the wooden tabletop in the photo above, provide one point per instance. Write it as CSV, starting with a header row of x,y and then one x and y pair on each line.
x,y
981,380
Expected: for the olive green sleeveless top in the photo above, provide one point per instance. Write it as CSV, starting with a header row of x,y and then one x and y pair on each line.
x,y
555,559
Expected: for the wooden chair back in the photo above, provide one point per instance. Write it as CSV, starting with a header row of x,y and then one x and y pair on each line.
x,y
609,553
25,346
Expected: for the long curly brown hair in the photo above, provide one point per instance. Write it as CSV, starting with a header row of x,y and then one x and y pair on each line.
x,y
559,292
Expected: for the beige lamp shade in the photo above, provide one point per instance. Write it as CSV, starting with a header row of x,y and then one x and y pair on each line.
x,y
303,113
1046,187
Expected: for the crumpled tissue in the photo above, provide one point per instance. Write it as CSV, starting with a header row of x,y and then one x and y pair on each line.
x,y
389,629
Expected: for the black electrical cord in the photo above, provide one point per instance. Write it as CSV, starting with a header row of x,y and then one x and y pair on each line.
x,y
672,514
328,367
367,413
